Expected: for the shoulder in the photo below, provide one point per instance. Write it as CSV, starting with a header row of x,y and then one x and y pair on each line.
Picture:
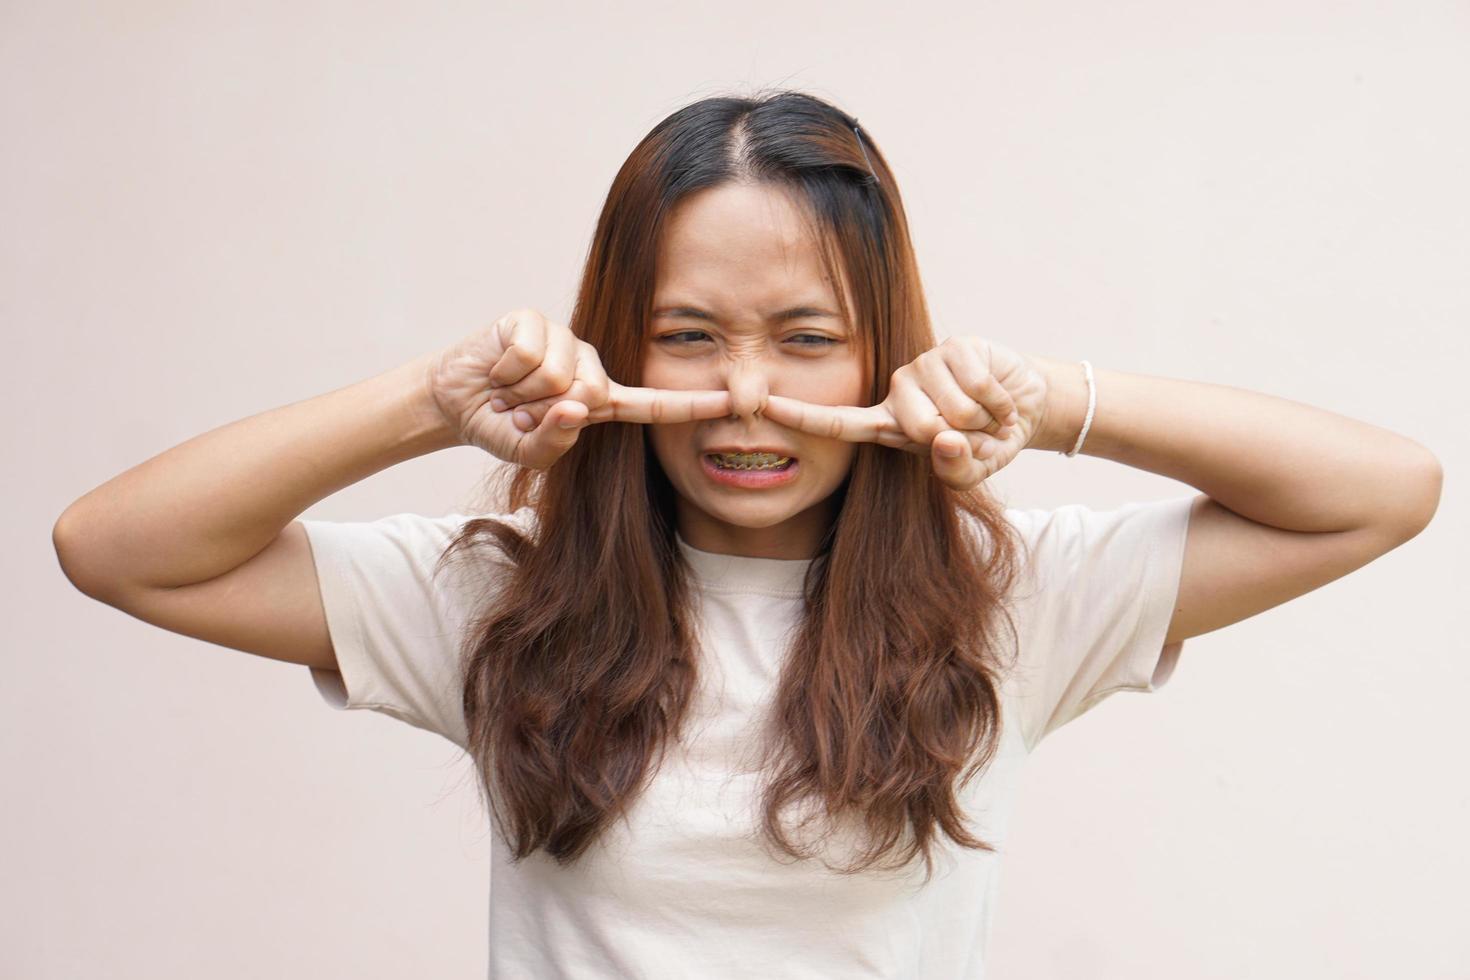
x,y
1064,547
1081,530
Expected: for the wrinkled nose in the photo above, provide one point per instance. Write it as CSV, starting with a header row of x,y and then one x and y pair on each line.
x,y
745,379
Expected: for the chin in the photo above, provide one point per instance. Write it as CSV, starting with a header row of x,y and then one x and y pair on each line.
x,y
752,514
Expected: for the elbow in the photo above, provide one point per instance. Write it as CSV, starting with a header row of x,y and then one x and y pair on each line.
x,y
64,540
1422,485
68,538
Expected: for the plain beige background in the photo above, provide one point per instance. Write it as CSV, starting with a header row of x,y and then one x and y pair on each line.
x,y
210,209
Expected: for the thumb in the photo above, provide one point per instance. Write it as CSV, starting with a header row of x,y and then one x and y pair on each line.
x,y
558,432
953,461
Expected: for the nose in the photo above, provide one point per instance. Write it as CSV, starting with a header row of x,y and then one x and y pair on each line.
x,y
745,379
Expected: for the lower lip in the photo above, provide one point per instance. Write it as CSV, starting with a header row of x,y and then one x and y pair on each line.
x,y
750,479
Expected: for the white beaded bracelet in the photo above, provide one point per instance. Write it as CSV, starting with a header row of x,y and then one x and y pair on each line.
x,y
1091,407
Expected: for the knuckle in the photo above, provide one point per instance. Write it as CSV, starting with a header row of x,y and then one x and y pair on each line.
x,y
580,392
588,354
527,392
512,318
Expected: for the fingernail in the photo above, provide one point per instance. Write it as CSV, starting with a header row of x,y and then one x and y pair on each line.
x,y
524,419
498,403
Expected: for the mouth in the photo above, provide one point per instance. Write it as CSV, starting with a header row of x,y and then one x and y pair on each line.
x,y
751,460
750,470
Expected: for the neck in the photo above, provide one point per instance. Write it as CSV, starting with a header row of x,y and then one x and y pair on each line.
x,y
796,538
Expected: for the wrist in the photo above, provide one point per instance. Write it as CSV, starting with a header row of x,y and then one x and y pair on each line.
x,y
426,429
1065,408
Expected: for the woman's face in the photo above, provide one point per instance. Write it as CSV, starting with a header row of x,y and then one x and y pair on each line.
x,y
742,304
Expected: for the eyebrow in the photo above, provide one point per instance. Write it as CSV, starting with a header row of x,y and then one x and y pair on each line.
x,y
795,312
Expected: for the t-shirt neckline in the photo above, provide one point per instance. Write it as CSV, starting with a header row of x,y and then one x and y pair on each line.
x,y
739,573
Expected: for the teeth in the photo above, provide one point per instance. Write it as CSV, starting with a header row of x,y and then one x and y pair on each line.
x,y
750,461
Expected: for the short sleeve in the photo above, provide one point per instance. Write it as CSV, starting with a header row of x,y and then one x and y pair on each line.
x,y
1093,605
396,625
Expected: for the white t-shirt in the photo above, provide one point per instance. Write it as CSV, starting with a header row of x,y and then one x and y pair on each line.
x,y
683,889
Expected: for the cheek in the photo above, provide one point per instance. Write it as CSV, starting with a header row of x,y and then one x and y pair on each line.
x,y
673,373
654,375
838,457
670,443
838,383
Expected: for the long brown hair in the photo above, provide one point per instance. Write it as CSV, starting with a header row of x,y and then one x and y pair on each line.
x,y
581,669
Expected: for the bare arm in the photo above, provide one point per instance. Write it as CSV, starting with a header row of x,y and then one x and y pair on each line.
x,y
1292,496
201,539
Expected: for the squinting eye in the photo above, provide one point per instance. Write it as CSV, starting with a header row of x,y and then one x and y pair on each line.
x,y
674,337
821,341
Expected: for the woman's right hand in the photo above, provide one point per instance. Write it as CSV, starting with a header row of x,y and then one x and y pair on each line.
x,y
523,358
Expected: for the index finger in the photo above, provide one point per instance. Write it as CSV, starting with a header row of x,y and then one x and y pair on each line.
x,y
655,405
850,423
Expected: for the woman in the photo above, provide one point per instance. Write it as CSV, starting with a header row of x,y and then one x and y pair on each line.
x,y
749,664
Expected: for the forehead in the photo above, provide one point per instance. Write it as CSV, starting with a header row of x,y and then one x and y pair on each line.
x,y
740,246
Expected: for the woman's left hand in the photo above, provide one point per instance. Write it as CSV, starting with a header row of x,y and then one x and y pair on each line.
x,y
969,404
